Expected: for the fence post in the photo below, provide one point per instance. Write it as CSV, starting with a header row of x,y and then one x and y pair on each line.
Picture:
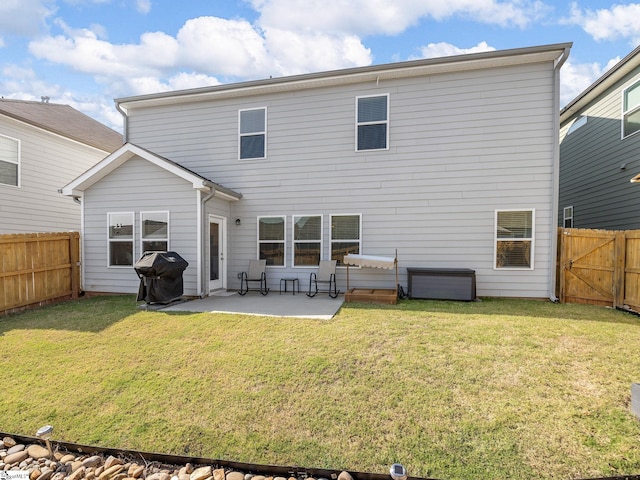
x,y
619,269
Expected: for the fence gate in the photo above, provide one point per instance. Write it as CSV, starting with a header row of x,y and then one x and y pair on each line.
x,y
599,267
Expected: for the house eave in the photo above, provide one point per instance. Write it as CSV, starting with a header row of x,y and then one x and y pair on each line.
x,y
375,73
597,88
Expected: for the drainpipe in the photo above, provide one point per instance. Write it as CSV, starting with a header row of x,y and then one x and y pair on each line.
x,y
125,122
555,192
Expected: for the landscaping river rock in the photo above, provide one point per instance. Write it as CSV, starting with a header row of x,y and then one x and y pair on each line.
x,y
41,464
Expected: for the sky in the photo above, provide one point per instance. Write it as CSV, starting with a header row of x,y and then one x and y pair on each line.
x,y
86,53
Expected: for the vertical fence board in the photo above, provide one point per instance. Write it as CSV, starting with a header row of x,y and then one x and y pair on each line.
x,y
37,268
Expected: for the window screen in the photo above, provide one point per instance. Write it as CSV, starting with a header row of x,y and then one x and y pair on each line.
x,y
9,160
271,240
631,110
253,133
307,240
345,236
372,123
514,239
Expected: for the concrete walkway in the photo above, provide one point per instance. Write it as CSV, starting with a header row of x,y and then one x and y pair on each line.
x,y
274,304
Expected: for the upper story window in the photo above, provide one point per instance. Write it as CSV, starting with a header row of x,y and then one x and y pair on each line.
x,y
154,233
345,236
120,239
514,236
253,133
307,240
631,110
271,238
577,123
9,161
568,217
372,122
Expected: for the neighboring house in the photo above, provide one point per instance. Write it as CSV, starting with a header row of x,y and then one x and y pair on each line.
x,y
42,147
600,151
453,162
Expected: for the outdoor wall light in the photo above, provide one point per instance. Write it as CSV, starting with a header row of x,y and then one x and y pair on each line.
x,y
45,434
398,472
238,222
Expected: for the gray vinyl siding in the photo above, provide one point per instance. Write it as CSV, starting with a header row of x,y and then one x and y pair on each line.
x,y
461,146
137,186
592,179
47,163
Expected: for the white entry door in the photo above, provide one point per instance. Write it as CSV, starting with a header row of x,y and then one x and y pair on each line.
x,y
217,250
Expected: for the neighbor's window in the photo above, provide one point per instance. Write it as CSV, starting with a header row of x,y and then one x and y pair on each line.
x,y
372,122
9,161
514,239
577,123
271,237
253,133
120,239
631,110
568,217
154,234
345,236
307,240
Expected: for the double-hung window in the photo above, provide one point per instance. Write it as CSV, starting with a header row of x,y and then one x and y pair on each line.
x,y
345,236
307,240
631,110
372,122
514,235
9,161
271,238
154,234
120,227
568,217
253,133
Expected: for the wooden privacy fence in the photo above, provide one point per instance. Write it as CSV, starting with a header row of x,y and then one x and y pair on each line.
x,y
599,267
36,268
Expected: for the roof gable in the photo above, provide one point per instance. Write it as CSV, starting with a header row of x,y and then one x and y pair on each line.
x,y
63,120
128,151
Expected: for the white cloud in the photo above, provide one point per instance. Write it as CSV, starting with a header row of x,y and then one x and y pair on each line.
x,y
443,49
205,46
576,77
143,6
24,17
619,21
365,17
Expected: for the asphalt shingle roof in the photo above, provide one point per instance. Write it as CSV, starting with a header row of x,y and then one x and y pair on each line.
x,y
63,120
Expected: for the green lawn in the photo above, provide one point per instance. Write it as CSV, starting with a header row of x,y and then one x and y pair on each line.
x,y
493,389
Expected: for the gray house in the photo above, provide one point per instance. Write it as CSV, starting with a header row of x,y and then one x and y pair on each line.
x,y
600,151
451,162
43,146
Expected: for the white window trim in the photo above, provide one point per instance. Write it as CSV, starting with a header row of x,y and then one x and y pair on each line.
x,y
284,241
132,240
331,240
532,239
387,122
240,135
627,112
566,217
142,240
18,163
294,241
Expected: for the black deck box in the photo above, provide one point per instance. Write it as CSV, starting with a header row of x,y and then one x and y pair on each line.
x,y
442,283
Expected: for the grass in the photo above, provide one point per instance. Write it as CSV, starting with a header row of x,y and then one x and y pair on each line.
x,y
495,389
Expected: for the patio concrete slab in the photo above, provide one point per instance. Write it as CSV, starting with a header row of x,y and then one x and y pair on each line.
x,y
274,304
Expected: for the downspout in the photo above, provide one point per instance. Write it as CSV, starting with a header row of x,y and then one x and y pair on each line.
x,y
125,123
556,175
200,234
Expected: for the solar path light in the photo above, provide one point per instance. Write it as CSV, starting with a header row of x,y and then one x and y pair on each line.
x,y
45,434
